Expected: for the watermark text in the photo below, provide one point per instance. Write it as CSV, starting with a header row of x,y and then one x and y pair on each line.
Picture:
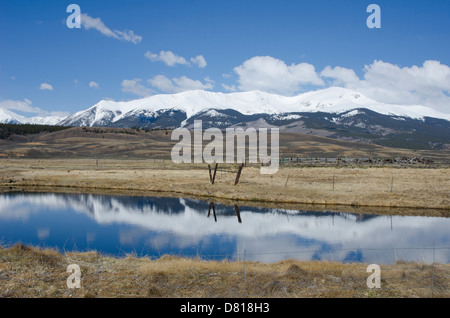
x,y
190,148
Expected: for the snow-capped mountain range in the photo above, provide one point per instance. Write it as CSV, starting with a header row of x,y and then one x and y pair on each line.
x,y
332,100
333,112
9,117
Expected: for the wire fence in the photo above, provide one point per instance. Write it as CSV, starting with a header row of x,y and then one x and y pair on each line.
x,y
361,160
38,273
292,160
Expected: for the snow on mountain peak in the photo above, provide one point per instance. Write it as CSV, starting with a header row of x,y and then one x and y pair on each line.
x,y
330,100
9,117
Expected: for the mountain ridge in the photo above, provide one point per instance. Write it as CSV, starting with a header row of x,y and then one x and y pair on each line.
x,y
9,117
331,100
334,112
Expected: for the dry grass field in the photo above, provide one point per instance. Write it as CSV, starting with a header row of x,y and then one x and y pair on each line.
x,y
120,143
322,186
138,163
32,272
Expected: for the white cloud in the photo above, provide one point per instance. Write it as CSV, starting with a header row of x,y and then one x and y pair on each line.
x,y
172,59
133,86
165,85
162,83
427,85
25,106
230,88
128,35
56,113
209,80
93,84
273,75
96,23
185,83
19,105
341,75
46,86
180,84
199,60
168,57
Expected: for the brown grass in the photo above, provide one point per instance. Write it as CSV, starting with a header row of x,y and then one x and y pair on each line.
x,y
32,272
353,186
120,143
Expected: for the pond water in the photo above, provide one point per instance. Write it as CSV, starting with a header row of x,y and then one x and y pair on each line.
x,y
154,226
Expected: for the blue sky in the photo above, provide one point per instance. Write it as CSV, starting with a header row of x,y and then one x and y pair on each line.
x,y
131,49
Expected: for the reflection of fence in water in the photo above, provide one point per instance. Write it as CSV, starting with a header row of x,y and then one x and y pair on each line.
x,y
212,207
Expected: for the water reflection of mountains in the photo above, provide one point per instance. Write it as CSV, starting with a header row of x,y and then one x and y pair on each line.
x,y
177,224
176,206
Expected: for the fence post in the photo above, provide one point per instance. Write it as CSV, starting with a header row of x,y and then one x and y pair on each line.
x,y
392,183
245,277
238,175
215,170
210,175
98,274
238,213
287,180
432,275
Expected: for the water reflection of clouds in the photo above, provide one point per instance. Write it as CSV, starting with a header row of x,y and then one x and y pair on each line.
x,y
43,233
90,237
264,234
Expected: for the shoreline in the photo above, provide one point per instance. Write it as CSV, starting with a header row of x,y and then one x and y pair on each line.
x,y
33,272
343,208
342,188
172,276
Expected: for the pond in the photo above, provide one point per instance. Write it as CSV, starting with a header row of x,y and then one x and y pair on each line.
x,y
155,226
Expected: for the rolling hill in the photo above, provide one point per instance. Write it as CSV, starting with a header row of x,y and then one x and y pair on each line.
x,y
125,143
335,113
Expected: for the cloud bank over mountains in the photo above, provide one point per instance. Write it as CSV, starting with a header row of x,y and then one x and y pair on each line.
x,y
410,85
427,85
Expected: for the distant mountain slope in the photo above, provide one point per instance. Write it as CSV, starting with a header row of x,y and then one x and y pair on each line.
x,y
9,117
191,103
333,112
125,143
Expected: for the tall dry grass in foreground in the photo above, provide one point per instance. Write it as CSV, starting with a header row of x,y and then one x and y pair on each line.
x,y
32,272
